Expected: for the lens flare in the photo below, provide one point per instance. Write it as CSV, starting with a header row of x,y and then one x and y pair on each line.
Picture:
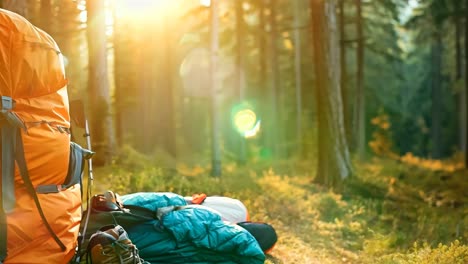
x,y
245,121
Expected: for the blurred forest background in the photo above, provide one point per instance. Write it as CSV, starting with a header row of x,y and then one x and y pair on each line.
x,y
144,70
366,97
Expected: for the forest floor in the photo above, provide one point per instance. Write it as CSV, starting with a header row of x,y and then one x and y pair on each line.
x,y
406,211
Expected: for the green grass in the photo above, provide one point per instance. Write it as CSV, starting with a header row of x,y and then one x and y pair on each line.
x,y
389,213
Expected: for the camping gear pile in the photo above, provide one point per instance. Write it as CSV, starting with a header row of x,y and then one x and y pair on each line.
x,y
40,189
166,229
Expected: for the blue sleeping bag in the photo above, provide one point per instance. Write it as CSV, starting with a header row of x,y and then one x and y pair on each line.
x,y
188,234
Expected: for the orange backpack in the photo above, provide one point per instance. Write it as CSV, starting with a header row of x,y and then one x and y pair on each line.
x,y
40,206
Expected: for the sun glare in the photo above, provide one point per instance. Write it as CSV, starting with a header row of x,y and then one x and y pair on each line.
x,y
206,3
137,8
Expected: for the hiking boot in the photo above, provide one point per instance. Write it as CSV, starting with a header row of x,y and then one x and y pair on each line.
x,y
113,198
111,245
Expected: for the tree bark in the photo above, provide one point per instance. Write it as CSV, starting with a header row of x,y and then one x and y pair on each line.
x,y
334,163
466,79
160,104
127,106
102,130
215,92
263,91
436,127
240,66
344,74
168,141
360,112
45,21
263,48
458,21
147,86
462,100
119,93
274,126
298,75
18,6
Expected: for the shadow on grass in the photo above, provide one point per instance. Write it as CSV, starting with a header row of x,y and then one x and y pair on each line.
x,y
273,260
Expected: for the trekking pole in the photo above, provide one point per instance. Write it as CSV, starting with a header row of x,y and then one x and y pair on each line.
x,y
81,121
90,180
79,116
90,174
88,145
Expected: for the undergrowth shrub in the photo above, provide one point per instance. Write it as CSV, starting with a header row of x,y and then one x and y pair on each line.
x,y
423,253
330,207
381,143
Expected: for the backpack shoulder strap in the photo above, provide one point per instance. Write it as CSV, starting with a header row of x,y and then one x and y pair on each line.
x,y
9,122
3,238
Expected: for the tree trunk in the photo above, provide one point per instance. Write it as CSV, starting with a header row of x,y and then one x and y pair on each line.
x,y
45,21
462,109
274,125
215,92
436,127
240,66
466,80
127,104
263,91
268,68
167,107
298,75
360,112
157,94
344,74
147,86
334,163
119,93
18,6
102,130
458,41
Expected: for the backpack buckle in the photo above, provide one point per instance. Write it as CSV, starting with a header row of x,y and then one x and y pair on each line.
x,y
50,188
7,103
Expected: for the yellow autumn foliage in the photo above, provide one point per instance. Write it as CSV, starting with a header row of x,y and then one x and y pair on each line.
x,y
431,164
